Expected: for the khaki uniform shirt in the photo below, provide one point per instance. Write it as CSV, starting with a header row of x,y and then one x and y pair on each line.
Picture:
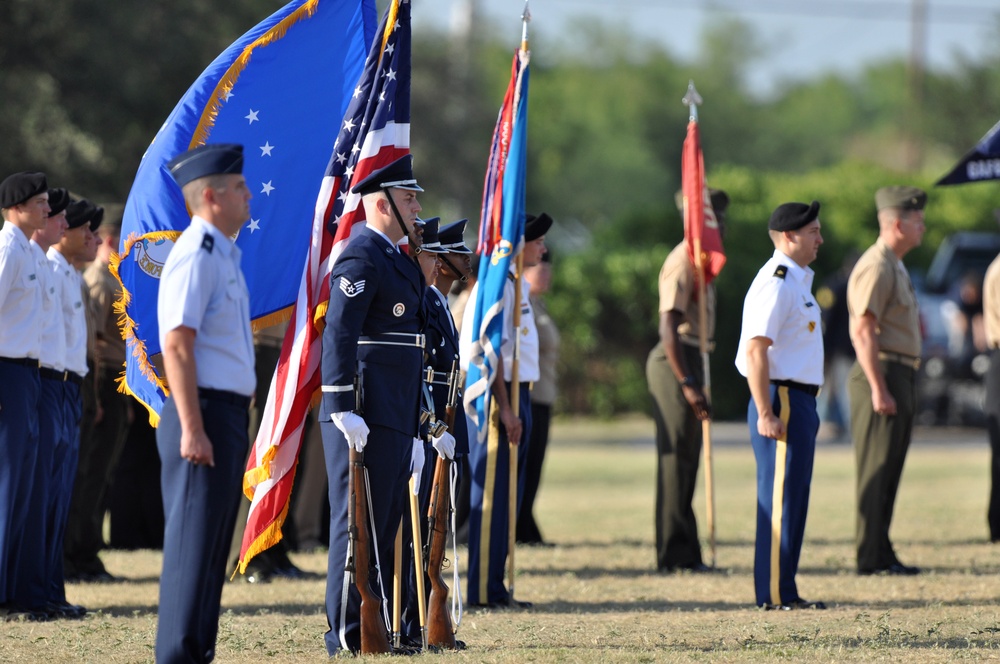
x,y
880,284
991,303
104,289
678,286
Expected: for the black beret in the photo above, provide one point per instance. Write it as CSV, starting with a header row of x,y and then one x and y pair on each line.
x,y
452,237
793,216
19,187
431,243
900,196
205,160
97,218
396,174
80,212
58,200
536,227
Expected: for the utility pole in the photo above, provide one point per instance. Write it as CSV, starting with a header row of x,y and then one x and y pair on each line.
x,y
914,111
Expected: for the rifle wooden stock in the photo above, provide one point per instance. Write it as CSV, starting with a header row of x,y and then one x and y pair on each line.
x,y
374,638
440,631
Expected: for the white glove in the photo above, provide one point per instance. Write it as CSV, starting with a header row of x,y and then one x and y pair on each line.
x,y
353,428
417,463
445,445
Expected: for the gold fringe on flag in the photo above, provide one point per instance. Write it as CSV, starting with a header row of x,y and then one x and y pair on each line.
x,y
228,81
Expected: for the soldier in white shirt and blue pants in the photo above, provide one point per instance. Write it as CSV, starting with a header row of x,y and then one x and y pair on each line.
x,y
24,203
781,355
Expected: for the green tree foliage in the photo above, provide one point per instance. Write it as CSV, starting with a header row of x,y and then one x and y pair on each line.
x,y
87,83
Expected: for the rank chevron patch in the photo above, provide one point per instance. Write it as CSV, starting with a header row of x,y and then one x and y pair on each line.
x,y
351,289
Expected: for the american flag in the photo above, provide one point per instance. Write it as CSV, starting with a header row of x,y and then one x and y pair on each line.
x,y
375,131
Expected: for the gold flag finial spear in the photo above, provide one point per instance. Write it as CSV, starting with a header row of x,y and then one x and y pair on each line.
x,y
692,99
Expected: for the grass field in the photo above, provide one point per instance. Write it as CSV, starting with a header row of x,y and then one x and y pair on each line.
x,y
597,598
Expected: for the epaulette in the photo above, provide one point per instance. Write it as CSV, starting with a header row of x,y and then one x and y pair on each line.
x,y
208,243
510,275
781,271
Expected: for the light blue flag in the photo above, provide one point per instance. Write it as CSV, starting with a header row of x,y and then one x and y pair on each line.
x,y
494,267
281,91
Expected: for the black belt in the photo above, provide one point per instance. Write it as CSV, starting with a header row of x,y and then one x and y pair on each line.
x,y
811,390
61,376
23,361
225,397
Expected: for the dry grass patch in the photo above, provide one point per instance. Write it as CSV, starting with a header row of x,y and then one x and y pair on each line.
x,y
597,597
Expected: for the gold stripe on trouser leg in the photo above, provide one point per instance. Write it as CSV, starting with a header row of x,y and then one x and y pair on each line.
x,y
492,446
777,498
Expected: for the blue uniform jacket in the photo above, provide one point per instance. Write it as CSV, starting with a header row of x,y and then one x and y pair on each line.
x,y
374,290
442,350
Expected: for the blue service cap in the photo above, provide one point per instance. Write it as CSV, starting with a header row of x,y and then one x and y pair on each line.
x,y
452,237
398,174
205,160
431,242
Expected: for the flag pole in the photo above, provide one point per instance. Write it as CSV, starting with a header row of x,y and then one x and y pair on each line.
x,y
515,386
691,100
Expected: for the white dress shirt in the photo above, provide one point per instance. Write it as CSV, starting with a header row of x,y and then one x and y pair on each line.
x,y
53,326
20,296
780,306
70,283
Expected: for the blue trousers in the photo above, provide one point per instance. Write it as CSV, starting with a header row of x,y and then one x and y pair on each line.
x,y
199,505
387,459
31,590
784,472
490,505
65,457
20,389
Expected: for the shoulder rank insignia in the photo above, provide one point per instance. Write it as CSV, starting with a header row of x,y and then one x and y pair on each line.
x,y
351,289
208,243
781,271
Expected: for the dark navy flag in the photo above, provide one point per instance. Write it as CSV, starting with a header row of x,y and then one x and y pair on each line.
x,y
980,164
281,91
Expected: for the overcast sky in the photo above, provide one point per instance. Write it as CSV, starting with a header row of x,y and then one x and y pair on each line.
x,y
807,36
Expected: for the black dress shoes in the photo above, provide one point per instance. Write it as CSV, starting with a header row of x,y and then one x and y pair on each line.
x,y
795,605
895,569
508,603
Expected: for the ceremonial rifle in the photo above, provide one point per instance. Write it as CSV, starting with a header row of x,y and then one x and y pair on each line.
x,y
440,631
374,637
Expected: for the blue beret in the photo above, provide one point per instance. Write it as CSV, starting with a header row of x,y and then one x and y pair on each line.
x,y
452,237
793,216
398,174
536,227
19,187
205,160
58,200
81,212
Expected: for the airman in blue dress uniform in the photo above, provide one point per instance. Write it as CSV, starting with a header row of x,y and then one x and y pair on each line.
x,y
781,355
204,317
373,328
